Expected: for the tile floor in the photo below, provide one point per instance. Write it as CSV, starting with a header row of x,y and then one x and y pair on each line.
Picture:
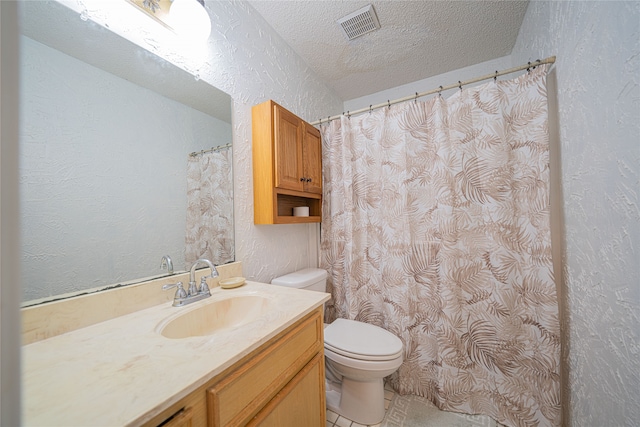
x,y
335,420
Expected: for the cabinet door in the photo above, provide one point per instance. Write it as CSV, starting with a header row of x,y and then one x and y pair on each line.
x,y
312,155
288,150
238,397
300,403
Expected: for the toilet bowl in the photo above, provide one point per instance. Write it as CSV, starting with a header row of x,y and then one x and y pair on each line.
x,y
358,356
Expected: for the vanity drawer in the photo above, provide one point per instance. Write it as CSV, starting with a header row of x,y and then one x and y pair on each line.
x,y
239,396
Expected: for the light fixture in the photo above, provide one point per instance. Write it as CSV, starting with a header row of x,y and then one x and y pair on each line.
x,y
190,19
187,18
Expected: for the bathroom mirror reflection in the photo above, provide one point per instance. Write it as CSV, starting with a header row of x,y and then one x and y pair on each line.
x,y
106,129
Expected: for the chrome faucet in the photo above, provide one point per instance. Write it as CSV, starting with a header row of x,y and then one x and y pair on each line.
x,y
166,262
195,293
203,282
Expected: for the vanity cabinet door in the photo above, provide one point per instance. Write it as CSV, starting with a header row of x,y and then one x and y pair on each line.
x,y
243,392
300,403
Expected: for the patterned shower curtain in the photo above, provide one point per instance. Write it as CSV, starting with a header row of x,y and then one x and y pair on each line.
x,y
210,208
436,227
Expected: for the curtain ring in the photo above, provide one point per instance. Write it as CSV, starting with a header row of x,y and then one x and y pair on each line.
x,y
416,100
460,84
440,92
388,104
370,109
495,78
537,63
529,67
348,115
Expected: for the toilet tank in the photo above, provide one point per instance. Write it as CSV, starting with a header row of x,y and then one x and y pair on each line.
x,y
313,279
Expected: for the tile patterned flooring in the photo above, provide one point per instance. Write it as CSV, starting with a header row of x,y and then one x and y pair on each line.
x,y
442,418
335,420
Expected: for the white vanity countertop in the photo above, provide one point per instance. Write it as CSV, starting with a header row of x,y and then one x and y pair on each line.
x,y
123,372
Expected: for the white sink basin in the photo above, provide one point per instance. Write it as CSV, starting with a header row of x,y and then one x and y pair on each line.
x,y
215,316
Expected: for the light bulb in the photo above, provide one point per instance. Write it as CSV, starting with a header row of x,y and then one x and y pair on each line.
x,y
190,19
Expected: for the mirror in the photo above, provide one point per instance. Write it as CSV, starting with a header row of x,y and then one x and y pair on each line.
x,y
106,129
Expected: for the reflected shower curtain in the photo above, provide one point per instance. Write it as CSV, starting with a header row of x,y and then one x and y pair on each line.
x,y
436,227
210,208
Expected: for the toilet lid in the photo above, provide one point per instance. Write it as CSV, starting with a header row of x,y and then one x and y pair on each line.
x,y
361,340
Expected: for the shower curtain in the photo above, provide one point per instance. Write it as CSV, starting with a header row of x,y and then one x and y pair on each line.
x,y
436,227
209,231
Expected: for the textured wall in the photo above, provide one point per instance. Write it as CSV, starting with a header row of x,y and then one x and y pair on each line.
x,y
103,189
253,64
598,115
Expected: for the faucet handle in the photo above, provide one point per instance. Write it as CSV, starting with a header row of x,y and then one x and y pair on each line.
x,y
204,288
180,292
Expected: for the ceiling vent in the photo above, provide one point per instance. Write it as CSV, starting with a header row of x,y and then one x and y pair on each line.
x,y
360,22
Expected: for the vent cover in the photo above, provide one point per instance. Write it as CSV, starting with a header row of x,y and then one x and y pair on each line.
x,y
360,22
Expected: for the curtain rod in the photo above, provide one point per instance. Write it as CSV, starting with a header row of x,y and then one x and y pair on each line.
x,y
210,150
549,60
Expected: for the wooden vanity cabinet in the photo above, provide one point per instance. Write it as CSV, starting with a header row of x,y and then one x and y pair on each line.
x,y
287,166
260,390
279,384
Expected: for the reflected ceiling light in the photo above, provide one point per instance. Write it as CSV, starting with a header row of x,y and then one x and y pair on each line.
x,y
190,19
187,18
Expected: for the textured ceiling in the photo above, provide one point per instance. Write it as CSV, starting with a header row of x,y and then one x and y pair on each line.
x,y
417,39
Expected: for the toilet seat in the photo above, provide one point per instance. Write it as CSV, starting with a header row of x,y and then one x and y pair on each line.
x,y
362,341
362,369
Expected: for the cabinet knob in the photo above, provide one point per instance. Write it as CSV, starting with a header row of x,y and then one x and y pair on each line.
x,y
308,179
302,179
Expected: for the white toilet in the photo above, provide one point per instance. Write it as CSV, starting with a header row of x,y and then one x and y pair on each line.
x,y
357,357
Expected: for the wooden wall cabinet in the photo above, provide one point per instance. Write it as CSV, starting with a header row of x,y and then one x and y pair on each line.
x,y
279,384
287,166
